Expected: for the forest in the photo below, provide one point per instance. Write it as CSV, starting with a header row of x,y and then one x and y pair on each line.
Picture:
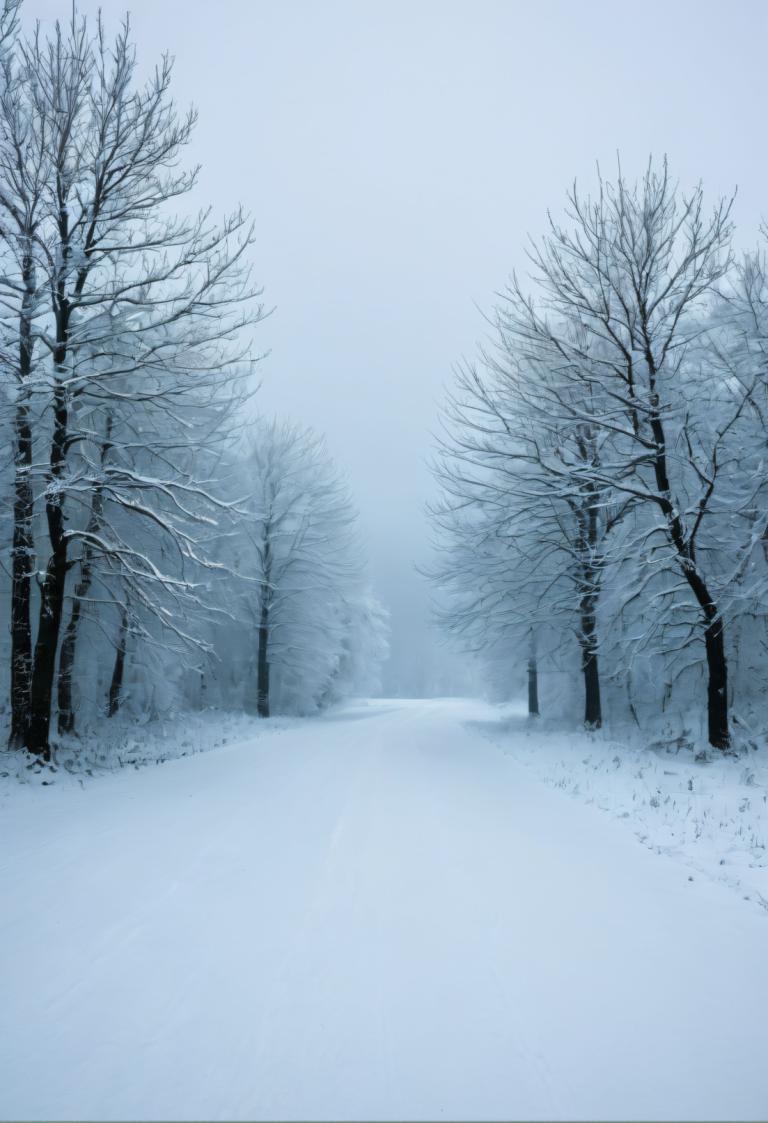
x,y
600,465
166,547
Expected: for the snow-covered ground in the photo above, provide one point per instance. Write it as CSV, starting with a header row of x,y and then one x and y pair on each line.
x,y
124,743
380,914
705,809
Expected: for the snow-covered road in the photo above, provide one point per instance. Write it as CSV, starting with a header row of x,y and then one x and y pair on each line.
x,y
374,915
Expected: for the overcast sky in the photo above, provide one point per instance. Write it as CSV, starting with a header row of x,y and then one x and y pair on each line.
x,y
396,156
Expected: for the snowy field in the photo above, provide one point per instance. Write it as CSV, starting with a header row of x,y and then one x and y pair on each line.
x,y
391,912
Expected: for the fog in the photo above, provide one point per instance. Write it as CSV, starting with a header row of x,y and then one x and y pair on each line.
x,y
395,158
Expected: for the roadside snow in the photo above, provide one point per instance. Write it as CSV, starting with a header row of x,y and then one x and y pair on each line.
x,y
711,814
124,744
372,915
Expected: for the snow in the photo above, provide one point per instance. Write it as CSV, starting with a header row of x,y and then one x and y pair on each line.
x,y
707,810
377,914
125,742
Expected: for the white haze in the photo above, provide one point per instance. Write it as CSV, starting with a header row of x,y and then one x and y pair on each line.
x,y
395,158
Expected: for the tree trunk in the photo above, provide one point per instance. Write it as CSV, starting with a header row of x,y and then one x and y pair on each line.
x,y
67,661
262,665
718,729
22,568
590,582
52,600
52,592
717,664
533,687
22,554
54,582
593,715
116,685
69,643
262,671
714,638
717,686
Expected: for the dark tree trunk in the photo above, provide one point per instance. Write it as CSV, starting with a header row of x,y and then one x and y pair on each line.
x,y
593,714
54,582
533,687
22,568
22,554
52,599
717,686
714,640
67,660
685,545
69,644
262,669
118,673
590,580
262,664
52,592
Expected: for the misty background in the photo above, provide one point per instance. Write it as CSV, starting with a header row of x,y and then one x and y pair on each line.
x,y
395,158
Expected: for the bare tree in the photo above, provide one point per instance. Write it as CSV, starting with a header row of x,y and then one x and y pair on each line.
x,y
305,566
619,316
144,307
525,516
25,172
